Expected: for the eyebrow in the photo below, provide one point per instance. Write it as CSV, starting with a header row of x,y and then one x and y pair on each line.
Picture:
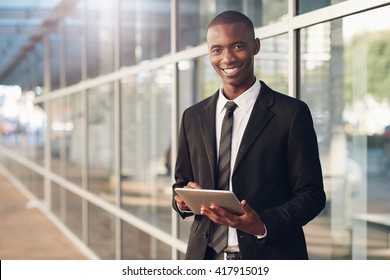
x,y
232,44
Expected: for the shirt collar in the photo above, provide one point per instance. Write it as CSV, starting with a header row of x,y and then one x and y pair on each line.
x,y
244,101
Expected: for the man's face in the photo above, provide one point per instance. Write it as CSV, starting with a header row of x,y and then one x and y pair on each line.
x,y
231,49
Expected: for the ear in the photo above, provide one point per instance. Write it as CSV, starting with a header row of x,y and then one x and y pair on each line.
x,y
256,47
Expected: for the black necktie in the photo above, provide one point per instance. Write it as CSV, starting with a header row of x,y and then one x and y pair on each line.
x,y
220,233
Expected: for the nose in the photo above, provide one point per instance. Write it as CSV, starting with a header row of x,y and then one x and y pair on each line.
x,y
228,56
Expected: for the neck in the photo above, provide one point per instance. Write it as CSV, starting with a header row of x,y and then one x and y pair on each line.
x,y
231,92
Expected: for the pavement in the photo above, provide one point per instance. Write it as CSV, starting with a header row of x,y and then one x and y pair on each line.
x,y
25,231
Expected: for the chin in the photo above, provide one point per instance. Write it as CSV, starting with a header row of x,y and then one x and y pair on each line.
x,y
232,81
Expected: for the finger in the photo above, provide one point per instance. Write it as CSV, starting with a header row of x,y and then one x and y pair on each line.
x,y
182,205
178,199
211,214
245,205
218,210
223,212
221,216
193,185
226,217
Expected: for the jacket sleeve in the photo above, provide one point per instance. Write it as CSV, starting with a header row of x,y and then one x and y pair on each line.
x,y
305,177
183,169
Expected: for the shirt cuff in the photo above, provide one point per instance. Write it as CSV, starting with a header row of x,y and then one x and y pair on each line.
x,y
183,211
263,235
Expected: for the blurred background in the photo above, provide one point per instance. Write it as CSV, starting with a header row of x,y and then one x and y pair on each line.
x,y
92,91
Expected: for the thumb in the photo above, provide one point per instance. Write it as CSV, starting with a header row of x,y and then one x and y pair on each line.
x,y
245,205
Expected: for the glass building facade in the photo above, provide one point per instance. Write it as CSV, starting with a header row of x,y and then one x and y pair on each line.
x,y
90,113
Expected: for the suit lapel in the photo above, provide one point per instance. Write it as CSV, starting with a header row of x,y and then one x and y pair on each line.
x,y
207,130
258,121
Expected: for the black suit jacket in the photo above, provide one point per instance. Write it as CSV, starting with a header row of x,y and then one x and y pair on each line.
x,y
277,171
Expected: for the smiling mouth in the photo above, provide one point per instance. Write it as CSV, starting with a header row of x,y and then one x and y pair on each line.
x,y
230,70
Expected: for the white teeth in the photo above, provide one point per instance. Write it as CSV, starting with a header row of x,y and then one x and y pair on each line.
x,y
230,70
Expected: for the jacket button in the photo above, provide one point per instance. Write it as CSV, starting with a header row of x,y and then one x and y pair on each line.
x,y
204,235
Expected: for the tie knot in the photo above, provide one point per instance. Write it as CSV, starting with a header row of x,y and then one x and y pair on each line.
x,y
230,106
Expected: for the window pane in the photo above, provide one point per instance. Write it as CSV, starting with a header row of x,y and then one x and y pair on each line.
x,y
74,213
56,195
146,140
305,6
137,245
37,66
101,229
36,185
74,31
74,139
145,30
22,124
60,128
194,16
271,63
197,80
344,79
153,29
128,32
56,40
101,22
101,141
66,135
36,132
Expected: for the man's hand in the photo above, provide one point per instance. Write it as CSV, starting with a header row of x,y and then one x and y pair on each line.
x,y
180,203
248,222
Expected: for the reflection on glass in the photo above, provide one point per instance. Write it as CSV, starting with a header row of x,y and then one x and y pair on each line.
x,y
39,66
56,194
146,146
101,229
101,22
344,79
66,137
197,80
146,30
101,141
22,124
271,63
36,131
73,29
128,32
137,245
305,6
74,139
194,16
59,133
36,185
56,41
154,19
74,213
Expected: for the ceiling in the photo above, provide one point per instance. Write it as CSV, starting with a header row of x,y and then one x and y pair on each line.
x,y
21,23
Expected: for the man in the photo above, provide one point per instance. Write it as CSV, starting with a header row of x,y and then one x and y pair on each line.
x,y
275,169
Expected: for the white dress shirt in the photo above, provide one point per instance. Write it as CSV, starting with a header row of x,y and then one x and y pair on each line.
x,y
245,103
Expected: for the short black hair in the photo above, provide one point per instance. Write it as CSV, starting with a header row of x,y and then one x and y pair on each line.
x,y
228,17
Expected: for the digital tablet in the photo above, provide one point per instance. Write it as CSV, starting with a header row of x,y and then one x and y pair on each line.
x,y
196,198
